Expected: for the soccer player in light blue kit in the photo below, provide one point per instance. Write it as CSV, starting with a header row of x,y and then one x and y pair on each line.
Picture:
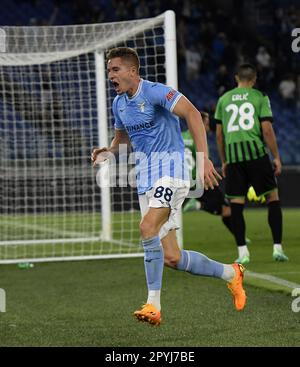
x,y
146,117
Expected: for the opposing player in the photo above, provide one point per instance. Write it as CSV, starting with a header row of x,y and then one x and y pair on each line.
x,y
244,126
145,117
212,201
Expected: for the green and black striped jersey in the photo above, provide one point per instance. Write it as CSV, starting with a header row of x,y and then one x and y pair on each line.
x,y
240,111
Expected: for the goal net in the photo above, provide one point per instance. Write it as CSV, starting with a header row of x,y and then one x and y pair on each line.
x,y
55,106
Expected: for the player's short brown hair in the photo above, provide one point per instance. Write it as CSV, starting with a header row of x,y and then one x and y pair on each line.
x,y
246,72
126,53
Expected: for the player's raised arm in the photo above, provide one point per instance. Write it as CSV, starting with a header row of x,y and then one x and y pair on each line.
x,y
101,154
186,110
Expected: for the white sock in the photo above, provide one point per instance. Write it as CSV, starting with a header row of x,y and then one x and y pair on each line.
x,y
277,246
228,273
243,251
154,298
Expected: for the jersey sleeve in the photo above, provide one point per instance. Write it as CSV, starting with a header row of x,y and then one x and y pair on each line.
x,y
265,110
164,96
218,112
118,123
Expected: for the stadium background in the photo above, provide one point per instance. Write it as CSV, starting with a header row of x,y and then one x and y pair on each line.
x,y
212,38
52,304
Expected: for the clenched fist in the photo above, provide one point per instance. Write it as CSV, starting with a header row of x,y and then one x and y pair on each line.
x,y
100,155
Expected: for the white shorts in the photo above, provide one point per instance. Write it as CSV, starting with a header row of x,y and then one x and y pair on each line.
x,y
167,192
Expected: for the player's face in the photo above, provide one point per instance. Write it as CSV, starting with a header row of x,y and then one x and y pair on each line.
x,y
120,73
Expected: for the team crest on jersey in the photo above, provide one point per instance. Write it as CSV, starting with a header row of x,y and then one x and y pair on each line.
x,y
142,106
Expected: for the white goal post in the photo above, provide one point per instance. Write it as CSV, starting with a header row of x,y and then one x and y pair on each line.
x,y
55,106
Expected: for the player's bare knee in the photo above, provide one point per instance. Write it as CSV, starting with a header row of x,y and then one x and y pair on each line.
x,y
240,200
171,259
272,196
171,256
148,229
226,211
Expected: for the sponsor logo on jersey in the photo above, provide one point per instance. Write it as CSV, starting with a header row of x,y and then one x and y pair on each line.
x,y
141,126
171,94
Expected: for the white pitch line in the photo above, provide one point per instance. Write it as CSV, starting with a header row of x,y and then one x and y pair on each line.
x,y
273,279
40,228
74,236
285,272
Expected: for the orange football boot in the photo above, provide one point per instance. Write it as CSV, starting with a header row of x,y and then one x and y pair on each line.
x,y
236,287
148,313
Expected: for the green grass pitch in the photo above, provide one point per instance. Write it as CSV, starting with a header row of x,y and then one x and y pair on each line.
x,y
90,303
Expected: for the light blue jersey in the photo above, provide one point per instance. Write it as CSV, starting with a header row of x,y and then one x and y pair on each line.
x,y
154,132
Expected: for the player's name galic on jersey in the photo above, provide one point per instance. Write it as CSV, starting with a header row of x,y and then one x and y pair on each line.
x,y
140,126
240,97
